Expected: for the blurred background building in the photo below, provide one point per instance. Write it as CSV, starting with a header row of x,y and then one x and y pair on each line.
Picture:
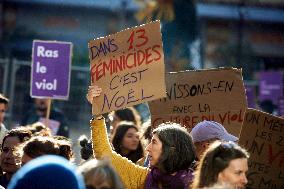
x,y
247,34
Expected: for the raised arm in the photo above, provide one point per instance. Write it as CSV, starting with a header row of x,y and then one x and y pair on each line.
x,y
133,176
101,145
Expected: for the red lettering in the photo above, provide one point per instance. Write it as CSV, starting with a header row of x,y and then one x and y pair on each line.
x,y
234,117
186,120
222,118
99,72
141,38
118,65
106,67
93,73
139,55
193,120
130,40
134,61
122,62
148,55
157,52
241,116
229,121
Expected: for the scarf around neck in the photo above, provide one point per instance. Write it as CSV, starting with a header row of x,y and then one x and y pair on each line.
x,y
181,180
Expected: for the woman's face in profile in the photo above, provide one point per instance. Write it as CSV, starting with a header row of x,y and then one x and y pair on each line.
x,y
154,150
235,173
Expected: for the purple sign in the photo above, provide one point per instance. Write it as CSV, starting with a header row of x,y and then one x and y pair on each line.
x,y
270,86
50,75
250,93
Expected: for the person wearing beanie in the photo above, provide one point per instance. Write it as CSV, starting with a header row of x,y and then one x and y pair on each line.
x,y
47,172
206,132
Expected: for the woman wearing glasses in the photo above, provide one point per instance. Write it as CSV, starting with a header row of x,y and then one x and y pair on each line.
x,y
224,163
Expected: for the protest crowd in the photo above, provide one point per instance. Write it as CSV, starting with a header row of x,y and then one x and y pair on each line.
x,y
168,158
180,149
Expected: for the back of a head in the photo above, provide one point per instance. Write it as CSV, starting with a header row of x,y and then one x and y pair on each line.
x,y
215,159
177,147
101,171
38,146
39,129
65,146
47,172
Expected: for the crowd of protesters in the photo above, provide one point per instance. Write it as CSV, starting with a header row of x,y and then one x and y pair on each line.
x,y
121,153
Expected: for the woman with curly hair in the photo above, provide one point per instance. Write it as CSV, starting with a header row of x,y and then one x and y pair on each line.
x,y
171,154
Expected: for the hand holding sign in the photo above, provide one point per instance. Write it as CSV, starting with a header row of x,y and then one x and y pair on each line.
x,y
124,64
51,63
93,91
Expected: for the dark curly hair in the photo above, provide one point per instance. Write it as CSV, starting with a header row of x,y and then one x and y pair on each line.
x,y
43,145
178,152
